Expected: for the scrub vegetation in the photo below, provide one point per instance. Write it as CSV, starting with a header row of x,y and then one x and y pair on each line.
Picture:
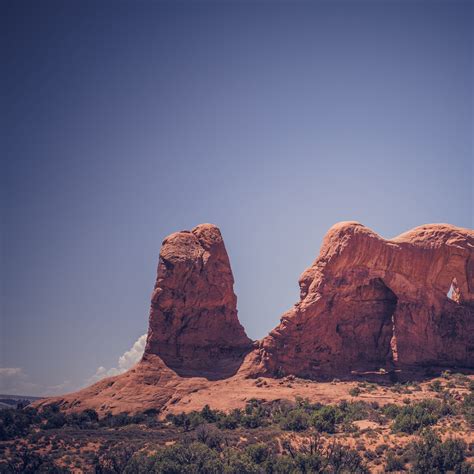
x,y
427,435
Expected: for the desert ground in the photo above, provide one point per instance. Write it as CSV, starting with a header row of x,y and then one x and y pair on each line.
x,y
260,425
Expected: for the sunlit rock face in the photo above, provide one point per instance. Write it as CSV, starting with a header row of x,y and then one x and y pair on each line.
x,y
193,325
368,303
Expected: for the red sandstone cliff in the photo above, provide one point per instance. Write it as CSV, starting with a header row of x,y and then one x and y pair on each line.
x,y
369,303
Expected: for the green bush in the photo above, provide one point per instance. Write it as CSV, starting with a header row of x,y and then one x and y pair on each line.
x,y
55,421
257,458
258,453
85,419
324,420
28,462
235,462
296,420
15,423
210,436
353,411
187,421
342,459
230,421
211,416
193,458
436,386
255,414
467,408
391,410
394,463
414,417
432,455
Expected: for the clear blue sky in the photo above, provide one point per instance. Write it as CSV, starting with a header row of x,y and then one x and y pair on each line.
x,y
125,121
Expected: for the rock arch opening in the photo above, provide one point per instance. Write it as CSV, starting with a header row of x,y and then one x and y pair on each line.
x,y
372,337
454,292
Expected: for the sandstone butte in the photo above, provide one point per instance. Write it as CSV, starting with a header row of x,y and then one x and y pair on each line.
x,y
368,307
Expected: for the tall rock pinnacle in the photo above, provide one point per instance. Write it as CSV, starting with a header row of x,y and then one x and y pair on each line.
x,y
193,325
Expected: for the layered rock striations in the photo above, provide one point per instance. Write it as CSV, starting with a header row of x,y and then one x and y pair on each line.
x,y
368,303
193,324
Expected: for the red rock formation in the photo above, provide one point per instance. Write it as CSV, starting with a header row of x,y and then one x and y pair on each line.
x,y
194,327
366,303
369,303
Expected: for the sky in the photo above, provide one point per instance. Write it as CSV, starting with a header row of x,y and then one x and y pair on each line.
x,y
125,121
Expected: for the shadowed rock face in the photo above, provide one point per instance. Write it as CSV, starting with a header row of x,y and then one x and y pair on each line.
x,y
193,318
369,303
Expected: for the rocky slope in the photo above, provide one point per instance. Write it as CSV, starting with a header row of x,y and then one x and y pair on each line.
x,y
366,304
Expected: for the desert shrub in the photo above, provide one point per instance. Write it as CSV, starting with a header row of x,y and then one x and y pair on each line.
x,y
296,419
211,416
195,457
86,419
353,411
28,462
237,462
90,415
210,436
397,388
115,421
391,410
187,421
342,459
255,414
394,463
54,420
139,464
324,420
467,408
381,449
312,462
115,460
436,386
281,465
15,423
253,420
432,455
89,419
354,392
411,418
258,453
333,459
230,421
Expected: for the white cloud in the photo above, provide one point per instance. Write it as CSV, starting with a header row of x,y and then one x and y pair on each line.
x,y
14,381
10,372
125,362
